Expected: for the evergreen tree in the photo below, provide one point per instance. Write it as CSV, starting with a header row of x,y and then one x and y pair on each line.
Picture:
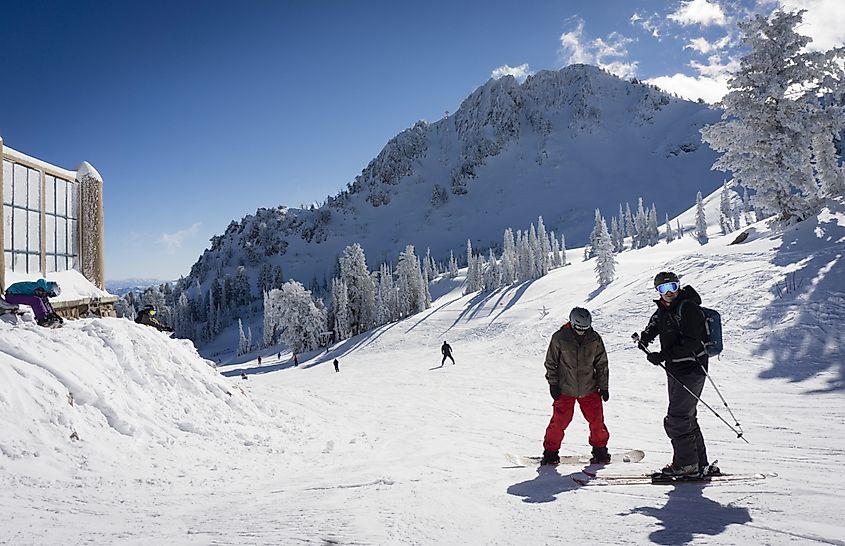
x,y
605,259
778,130
243,342
616,235
653,232
562,250
509,259
700,220
630,230
359,288
670,236
594,236
543,250
725,210
453,266
300,320
340,310
641,226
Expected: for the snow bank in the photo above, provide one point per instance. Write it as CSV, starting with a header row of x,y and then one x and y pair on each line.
x,y
73,284
109,387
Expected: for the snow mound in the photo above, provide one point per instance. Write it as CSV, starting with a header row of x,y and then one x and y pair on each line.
x,y
109,387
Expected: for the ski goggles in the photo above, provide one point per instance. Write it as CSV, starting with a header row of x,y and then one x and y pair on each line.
x,y
668,287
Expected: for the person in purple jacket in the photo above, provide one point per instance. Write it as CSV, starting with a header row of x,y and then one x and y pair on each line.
x,y
36,294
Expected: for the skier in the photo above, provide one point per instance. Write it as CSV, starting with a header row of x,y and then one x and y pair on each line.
x,y
295,360
679,323
577,370
446,349
259,360
36,295
336,365
279,356
146,316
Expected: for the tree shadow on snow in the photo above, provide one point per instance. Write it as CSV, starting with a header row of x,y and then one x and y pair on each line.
x,y
812,299
545,487
688,513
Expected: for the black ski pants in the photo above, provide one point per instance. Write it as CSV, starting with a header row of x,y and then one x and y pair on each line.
x,y
445,356
681,422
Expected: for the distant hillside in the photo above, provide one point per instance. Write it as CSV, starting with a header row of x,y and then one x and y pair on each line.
x,y
122,286
558,145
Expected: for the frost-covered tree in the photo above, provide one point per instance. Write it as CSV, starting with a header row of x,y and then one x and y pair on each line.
x,y
651,226
594,236
616,235
533,270
778,124
542,252
726,212
243,341
562,250
298,317
359,288
492,274
670,235
453,265
700,219
747,207
509,260
605,260
410,283
641,226
340,310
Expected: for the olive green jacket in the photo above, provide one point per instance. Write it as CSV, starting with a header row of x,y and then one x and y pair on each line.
x,y
579,368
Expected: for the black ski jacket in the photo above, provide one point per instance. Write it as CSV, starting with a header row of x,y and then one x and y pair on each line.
x,y
145,318
682,336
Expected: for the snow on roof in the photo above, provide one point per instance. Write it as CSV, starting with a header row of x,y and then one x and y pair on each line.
x,y
14,154
73,284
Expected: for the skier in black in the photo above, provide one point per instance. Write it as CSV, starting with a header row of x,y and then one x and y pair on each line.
x,y
446,349
679,323
336,366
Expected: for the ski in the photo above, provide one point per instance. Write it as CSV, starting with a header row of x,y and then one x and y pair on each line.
x,y
647,479
632,456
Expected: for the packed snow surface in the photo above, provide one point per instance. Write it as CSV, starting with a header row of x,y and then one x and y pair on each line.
x,y
395,449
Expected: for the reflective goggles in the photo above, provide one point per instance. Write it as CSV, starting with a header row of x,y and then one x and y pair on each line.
x,y
668,287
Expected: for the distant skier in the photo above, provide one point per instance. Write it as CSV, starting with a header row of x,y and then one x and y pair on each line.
x,y
682,333
36,295
279,356
577,370
295,360
446,349
336,365
259,360
147,317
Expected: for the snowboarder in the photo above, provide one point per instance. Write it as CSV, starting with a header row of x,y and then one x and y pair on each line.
x,y
577,370
36,295
336,365
679,323
6,307
446,349
147,317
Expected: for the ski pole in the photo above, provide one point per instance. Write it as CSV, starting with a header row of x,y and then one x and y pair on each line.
x,y
725,402
739,434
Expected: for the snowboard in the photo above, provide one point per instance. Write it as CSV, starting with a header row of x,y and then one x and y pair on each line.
x,y
632,456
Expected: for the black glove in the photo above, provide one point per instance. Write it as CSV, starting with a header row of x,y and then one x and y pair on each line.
x,y
605,394
656,357
554,390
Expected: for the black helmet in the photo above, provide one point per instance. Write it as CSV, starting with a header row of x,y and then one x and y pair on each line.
x,y
152,308
664,277
580,318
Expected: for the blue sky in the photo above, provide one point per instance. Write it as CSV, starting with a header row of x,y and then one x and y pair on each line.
x,y
198,112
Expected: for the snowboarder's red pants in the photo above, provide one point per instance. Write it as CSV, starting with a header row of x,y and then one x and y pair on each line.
x,y
564,408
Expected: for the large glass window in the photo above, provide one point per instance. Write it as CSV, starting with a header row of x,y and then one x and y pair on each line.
x,y
61,216
22,217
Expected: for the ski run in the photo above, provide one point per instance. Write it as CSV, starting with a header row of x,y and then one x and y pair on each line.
x,y
114,433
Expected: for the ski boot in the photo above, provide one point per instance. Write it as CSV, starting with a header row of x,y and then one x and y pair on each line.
x,y
600,456
550,458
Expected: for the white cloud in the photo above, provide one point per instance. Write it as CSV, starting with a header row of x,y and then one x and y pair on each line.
x,y
703,46
173,241
699,12
824,21
692,88
650,24
519,72
609,53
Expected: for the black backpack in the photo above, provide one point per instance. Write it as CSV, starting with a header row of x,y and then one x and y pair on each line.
x,y
712,326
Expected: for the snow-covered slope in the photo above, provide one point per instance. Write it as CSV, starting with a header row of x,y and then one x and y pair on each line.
x,y
396,450
559,145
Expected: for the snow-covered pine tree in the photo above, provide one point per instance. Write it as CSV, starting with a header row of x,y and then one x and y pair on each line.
x,y
778,129
653,232
534,272
621,222
630,230
616,235
243,342
453,265
340,310
301,320
594,236
725,210
542,253
562,250
409,285
700,219
670,236
492,274
359,288
509,260
680,231
605,259
641,225
555,246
